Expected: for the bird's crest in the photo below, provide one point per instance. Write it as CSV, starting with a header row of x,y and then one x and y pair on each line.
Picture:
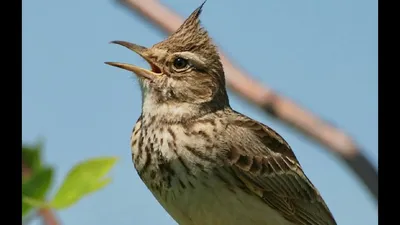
x,y
191,25
190,36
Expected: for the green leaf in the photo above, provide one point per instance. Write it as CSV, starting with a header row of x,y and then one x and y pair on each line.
x,y
83,179
31,155
34,202
36,187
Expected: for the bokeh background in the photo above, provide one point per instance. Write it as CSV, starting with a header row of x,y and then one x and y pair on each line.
x,y
321,54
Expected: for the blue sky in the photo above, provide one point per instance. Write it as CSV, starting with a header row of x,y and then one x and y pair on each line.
x,y
321,54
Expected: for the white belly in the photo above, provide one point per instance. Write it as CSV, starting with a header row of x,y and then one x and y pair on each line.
x,y
215,204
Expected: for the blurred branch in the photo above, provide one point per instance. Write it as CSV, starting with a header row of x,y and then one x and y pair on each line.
x,y
46,214
277,106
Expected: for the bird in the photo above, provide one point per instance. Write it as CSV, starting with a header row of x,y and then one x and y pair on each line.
x,y
204,162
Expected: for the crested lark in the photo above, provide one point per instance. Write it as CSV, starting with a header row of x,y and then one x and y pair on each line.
x,y
205,163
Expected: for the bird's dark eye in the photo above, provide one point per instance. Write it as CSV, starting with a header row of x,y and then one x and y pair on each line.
x,y
180,63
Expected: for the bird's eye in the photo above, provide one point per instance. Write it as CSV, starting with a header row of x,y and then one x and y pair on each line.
x,y
180,63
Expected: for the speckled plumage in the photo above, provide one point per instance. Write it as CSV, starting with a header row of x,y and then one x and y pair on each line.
x,y
205,163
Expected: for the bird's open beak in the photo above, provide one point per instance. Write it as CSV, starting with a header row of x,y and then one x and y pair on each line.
x,y
141,72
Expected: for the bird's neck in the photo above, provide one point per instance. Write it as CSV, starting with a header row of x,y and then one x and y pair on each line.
x,y
174,112
168,112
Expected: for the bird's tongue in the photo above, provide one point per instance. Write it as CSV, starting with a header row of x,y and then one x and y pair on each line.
x,y
155,68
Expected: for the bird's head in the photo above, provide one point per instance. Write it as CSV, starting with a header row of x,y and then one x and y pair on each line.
x,y
185,69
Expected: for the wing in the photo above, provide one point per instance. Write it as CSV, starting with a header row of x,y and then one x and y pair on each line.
x,y
265,163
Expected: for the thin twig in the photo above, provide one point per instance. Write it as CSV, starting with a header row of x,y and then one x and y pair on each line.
x,y
277,106
46,214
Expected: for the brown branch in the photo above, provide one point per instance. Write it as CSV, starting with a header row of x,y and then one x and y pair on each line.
x,y
46,214
278,106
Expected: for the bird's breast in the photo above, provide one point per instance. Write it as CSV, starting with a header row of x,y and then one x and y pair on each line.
x,y
183,168
163,153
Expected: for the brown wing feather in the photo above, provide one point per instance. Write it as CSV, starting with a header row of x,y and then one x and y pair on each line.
x,y
267,165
